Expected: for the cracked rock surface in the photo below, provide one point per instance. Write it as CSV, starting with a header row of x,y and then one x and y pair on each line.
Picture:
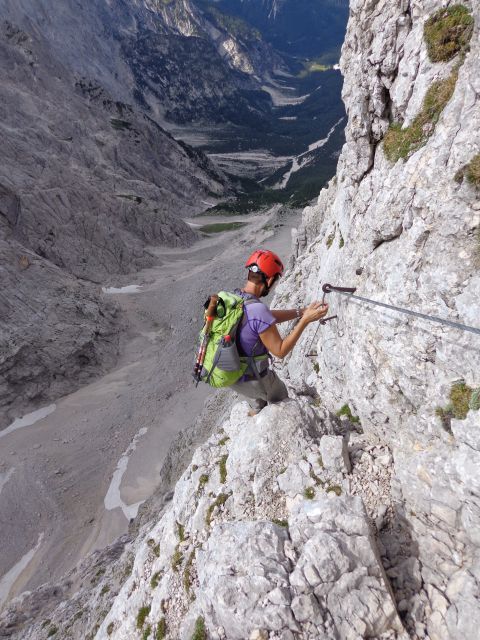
x,y
406,234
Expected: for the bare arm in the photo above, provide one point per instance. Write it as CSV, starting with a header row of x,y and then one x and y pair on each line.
x,y
280,347
285,315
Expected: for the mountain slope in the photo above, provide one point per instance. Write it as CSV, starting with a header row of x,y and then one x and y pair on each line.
x,y
88,183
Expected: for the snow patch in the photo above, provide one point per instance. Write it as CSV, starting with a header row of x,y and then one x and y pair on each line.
x,y
5,477
130,288
113,498
9,579
29,419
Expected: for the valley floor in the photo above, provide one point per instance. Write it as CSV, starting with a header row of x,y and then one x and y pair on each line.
x,y
73,475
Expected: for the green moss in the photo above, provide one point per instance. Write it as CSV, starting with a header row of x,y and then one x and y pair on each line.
x,y
472,171
142,615
280,523
222,464
181,532
314,477
105,589
223,441
342,242
154,547
155,579
194,467
334,488
146,633
161,630
316,367
187,573
447,32
462,399
401,142
202,481
200,632
330,239
309,493
177,559
346,411
219,501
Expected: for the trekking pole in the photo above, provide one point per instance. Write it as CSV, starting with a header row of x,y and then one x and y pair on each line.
x,y
209,318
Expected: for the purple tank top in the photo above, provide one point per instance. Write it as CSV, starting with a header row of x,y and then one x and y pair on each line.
x,y
258,319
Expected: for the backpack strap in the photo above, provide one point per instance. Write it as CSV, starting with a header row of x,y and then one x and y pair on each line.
x,y
252,366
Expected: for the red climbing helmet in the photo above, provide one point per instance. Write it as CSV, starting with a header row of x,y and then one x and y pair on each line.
x,y
266,262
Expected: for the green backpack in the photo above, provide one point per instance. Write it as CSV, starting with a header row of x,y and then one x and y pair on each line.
x,y
222,365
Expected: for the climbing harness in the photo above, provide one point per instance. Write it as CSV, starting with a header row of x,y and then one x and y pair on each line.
x,y
350,291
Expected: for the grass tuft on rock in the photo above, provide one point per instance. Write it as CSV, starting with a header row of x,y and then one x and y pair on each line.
x,y
401,142
447,32
177,559
219,502
146,633
280,523
187,573
462,399
346,411
334,488
309,493
142,615
155,579
202,481
200,631
471,172
222,464
161,630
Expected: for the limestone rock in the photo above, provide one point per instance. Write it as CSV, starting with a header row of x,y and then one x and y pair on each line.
x,y
334,452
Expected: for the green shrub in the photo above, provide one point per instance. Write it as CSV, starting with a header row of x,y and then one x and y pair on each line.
x,y
447,32
181,532
280,523
161,630
222,463
142,615
309,493
330,239
472,171
187,572
155,579
202,481
146,633
177,559
346,411
200,632
219,501
334,488
462,399
401,142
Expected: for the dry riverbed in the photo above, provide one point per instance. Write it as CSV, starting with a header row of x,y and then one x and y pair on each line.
x,y
73,473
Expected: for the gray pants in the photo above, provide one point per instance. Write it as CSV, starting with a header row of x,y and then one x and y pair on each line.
x,y
261,392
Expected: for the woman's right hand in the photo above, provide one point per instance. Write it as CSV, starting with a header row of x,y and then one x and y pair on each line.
x,y
314,312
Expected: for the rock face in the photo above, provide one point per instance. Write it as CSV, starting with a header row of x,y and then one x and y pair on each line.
x,y
244,551
351,510
405,233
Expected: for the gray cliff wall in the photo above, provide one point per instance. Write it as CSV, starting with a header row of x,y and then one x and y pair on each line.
x,y
407,234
